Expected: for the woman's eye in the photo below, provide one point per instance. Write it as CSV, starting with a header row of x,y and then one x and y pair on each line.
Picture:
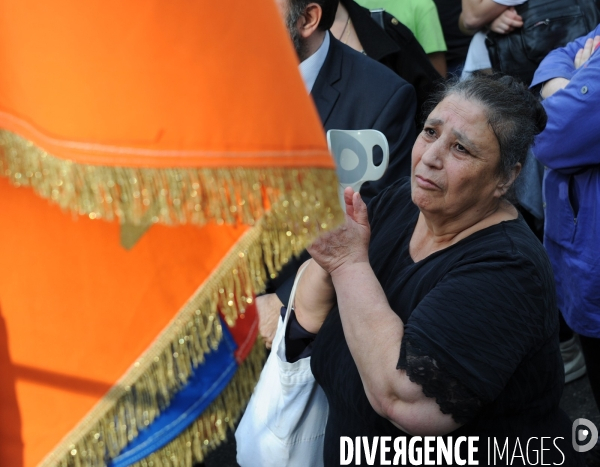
x,y
461,148
429,131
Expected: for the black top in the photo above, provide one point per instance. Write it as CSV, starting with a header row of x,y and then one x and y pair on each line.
x,y
481,335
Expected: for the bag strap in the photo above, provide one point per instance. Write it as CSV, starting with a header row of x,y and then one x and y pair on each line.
x,y
293,293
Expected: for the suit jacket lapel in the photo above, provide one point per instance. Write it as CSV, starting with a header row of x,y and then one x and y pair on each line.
x,y
324,92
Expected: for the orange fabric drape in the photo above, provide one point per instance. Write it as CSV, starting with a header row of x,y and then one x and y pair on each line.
x,y
79,309
143,84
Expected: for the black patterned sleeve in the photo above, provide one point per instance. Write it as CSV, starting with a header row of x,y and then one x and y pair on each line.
x,y
467,336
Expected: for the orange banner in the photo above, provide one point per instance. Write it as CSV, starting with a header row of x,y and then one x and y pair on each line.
x,y
176,163
156,84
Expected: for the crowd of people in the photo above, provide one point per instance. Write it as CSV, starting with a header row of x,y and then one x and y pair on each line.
x,y
447,302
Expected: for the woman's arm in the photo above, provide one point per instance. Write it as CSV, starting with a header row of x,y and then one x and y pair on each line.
x,y
315,297
371,328
566,144
551,86
373,333
560,63
477,13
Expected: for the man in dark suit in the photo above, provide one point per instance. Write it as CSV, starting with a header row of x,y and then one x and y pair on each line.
x,y
351,92
354,92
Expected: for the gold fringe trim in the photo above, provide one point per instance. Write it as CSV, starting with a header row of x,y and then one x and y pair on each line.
x,y
210,430
203,435
142,195
287,208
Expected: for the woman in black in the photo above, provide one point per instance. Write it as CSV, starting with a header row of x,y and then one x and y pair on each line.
x,y
444,319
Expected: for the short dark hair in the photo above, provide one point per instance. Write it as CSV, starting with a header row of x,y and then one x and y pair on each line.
x,y
514,113
329,8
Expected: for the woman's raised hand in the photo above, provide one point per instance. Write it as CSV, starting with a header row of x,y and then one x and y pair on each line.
x,y
349,243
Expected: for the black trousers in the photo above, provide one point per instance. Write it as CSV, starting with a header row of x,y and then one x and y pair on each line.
x,y
591,352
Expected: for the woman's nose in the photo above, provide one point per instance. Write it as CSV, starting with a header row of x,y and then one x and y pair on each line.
x,y
433,155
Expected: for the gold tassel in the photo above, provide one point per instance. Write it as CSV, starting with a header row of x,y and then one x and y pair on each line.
x,y
287,209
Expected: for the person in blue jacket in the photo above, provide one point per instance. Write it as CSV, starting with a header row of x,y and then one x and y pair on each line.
x,y
569,147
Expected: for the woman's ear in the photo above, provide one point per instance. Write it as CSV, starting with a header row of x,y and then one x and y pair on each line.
x,y
504,185
310,19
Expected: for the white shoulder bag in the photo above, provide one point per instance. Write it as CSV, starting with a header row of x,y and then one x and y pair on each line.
x,y
284,423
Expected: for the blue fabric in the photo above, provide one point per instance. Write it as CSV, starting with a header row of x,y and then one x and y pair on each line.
x,y
569,147
207,382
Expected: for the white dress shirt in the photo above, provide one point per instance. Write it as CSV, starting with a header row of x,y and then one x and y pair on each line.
x,y
309,68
